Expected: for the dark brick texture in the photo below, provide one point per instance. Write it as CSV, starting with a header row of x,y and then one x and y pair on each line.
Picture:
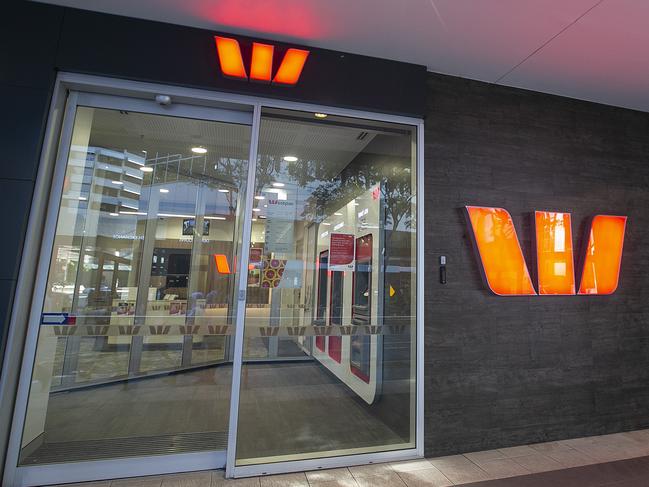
x,y
503,371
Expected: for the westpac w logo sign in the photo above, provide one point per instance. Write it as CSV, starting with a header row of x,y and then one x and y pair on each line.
x,y
506,271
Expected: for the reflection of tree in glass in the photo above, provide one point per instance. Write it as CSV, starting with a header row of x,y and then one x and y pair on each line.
x,y
234,173
269,168
396,189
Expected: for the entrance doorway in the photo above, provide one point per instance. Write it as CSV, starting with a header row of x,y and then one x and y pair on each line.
x,y
134,348
226,286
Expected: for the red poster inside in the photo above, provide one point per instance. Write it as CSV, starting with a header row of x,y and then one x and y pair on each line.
x,y
341,251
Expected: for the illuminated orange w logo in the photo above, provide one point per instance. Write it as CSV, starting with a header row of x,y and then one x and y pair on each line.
x,y
261,63
504,266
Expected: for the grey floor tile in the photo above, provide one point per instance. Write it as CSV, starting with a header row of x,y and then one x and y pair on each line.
x,y
411,465
478,457
459,469
219,480
335,483
194,479
501,468
285,480
384,480
429,477
100,483
154,481
329,475
538,463
571,458
371,470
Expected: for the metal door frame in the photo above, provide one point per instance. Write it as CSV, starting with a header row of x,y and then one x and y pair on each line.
x,y
30,290
75,96
233,471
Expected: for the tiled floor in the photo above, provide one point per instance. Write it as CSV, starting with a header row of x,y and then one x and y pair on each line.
x,y
618,460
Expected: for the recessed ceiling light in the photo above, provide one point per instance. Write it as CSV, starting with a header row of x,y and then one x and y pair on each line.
x,y
325,223
256,209
164,190
146,169
338,213
83,198
260,197
290,158
278,185
262,217
199,150
114,214
224,190
118,183
265,206
320,115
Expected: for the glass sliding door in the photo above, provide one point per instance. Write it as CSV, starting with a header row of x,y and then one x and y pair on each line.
x,y
329,344
170,258
134,344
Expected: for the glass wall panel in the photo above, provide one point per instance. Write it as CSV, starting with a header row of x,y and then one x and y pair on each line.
x,y
329,364
133,352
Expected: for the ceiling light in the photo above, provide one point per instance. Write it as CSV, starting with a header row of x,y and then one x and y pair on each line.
x,y
278,185
146,169
119,183
338,213
260,197
265,206
254,219
83,198
262,217
325,223
199,150
114,214
256,209
164,190
320,115
224,190
290,158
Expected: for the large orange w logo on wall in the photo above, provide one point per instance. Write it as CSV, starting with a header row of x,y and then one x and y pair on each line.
x,y
504,266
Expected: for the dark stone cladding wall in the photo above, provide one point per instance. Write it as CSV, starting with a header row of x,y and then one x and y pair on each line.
x,y
508,371
29,37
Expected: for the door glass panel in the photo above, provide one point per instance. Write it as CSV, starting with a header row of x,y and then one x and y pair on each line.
x,y
329,364
133,353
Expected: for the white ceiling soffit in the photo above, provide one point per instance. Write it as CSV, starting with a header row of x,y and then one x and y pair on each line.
x,y
589,49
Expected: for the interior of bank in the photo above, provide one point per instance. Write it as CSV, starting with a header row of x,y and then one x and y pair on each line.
x,y
140,309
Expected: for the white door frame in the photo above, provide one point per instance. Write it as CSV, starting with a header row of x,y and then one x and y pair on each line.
x,y
233,471
97,469
197,103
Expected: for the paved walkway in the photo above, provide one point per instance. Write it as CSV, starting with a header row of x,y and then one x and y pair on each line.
x,y
618,460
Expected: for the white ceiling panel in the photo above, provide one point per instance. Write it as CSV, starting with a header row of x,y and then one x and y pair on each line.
x,y
603,57
588,49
